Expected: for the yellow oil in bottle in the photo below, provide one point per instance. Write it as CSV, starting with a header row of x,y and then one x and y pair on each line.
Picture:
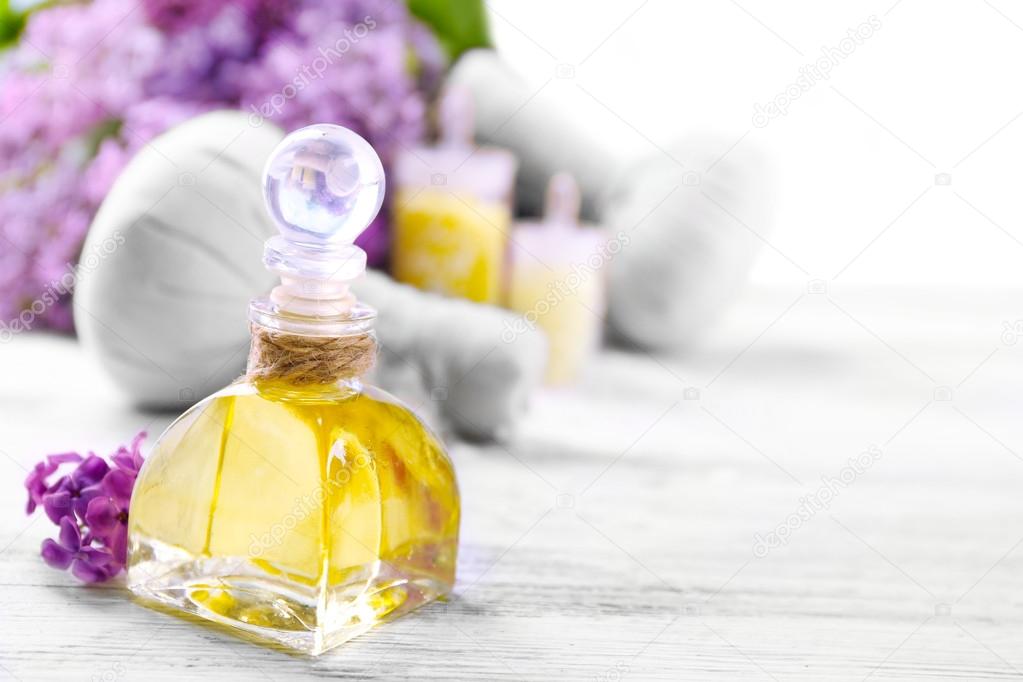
x,y
305,517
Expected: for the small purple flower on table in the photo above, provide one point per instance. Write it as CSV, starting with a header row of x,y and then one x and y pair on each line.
x,y
70,495
90,507
36,481
88,564
107,514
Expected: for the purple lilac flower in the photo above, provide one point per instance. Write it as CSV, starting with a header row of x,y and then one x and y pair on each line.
x,y
129,459
71,494
90,506
107,517
36,481
88,564
91,83
175,15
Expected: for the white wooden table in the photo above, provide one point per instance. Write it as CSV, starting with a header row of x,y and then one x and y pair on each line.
x,y
615,538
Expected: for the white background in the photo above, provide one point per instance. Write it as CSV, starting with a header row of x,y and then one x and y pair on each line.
x,y
934,90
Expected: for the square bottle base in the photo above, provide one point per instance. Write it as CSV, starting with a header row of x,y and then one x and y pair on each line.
x,y
259,604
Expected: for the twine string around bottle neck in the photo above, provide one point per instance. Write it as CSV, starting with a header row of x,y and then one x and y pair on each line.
x,y
303,360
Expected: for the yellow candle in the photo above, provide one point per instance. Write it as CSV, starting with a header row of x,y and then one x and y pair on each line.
x,y
451,244
567,305
452,210
556,280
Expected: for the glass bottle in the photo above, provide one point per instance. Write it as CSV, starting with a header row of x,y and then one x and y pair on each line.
x,y
452,210
299,505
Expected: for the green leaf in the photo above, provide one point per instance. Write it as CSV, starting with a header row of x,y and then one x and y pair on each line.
x,y
11,23
459,25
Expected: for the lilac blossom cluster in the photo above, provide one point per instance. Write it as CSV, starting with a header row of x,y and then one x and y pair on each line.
x,y
90,83
89,505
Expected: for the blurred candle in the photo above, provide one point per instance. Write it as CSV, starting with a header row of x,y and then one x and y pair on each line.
x,y
452,210
556,279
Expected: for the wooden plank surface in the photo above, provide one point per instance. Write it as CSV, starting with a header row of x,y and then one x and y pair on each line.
x,y
615,537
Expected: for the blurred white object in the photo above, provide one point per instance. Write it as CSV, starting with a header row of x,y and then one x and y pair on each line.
x,y
470,359
165,313
688,255
689,252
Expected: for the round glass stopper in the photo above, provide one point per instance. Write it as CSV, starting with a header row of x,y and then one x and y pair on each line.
x,y
323,185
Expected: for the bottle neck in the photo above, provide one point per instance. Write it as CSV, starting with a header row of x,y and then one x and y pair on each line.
x,y
306,352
